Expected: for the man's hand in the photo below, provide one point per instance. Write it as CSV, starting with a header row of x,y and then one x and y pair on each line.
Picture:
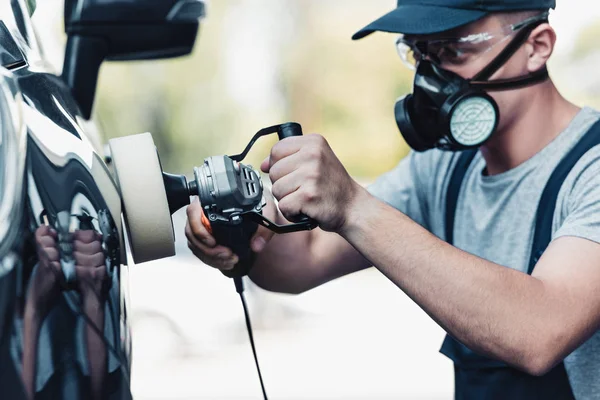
x,y
46,281
204,245
309,179
92,278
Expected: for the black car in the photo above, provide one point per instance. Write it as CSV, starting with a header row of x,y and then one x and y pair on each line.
x,y
64,331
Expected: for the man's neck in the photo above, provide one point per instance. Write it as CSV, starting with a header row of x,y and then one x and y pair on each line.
x,y
548,114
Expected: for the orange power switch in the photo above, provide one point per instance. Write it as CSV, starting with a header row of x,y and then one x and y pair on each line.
x,y
206,223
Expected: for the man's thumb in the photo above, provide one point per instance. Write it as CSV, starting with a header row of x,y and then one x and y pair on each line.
x,y
265,166
260,239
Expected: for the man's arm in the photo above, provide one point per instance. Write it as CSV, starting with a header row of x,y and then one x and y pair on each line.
x,y
530,322
297,262
289,263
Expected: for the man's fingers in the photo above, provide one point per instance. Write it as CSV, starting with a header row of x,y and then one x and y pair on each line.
x,y
217,252
265,165
45,230
51,254
42,230
196,228
287,185
97,272
200,240
87,236
285,167
290,206
46,241
260,239
285,148
87,248
53,269
203,245
263,235
86,260
225,261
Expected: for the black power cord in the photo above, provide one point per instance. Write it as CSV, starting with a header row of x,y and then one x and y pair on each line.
x,y
239,287
78,309
78,306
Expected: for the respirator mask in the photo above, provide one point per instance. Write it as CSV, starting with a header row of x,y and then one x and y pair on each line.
x,y
452,113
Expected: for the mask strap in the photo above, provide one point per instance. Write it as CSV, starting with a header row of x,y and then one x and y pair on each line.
x,y
513,83
507,53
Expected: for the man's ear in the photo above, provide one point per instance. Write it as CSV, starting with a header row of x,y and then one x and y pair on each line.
x,y
540,46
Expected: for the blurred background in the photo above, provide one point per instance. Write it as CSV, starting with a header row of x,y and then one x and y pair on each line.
x,y
257,63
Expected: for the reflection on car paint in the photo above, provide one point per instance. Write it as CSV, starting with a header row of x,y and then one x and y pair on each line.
x,y
63,326
73,286
64,331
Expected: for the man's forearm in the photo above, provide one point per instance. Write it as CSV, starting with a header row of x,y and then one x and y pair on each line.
x,y
32,322
297,262
490,308
93,307
283,266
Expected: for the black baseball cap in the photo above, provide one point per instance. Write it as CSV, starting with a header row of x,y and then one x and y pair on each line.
x,y
423,17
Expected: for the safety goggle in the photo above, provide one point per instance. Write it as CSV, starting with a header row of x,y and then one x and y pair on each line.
x,y
458,51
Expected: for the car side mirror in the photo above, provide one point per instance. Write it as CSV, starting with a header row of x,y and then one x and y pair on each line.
x,y
122,30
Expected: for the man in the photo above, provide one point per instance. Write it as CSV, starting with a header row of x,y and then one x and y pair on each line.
x,y
509,331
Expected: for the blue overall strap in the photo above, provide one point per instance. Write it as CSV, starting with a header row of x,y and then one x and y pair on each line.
x,y
476,376
456,351
547,205
460,354
458,175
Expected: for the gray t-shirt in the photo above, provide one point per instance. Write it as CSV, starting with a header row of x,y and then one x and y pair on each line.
x,y
495,215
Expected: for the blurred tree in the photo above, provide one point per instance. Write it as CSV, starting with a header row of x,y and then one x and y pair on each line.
x,y
261,62
576,72
587,41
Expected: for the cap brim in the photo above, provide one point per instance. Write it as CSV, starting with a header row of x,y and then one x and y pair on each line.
x,y
415,19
